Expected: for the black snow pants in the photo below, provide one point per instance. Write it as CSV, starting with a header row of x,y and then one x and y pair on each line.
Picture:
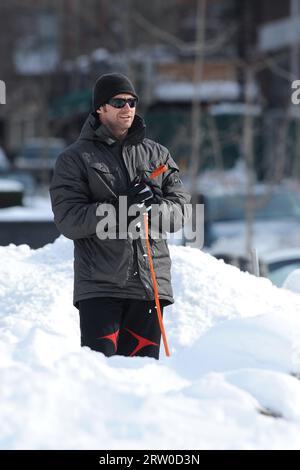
x,y
126,327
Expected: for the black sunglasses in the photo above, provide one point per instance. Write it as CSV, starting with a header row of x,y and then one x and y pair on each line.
x,y
121,102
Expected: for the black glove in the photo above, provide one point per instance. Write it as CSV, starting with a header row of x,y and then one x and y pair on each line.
x,y
157,194
138,193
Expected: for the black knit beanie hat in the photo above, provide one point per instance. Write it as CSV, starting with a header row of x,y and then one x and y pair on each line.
x,y
109,85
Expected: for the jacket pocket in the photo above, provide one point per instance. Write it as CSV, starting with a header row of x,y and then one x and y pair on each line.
x,y
112,261
102,181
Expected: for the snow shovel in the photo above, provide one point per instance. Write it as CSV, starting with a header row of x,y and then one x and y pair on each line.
x,y
153,175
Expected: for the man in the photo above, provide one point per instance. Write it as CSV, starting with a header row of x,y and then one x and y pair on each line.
x,y
112,160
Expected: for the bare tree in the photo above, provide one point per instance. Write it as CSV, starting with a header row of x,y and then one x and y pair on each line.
x,y
196,110
277,171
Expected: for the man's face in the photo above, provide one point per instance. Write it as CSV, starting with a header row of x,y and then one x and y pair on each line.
x,y
119,119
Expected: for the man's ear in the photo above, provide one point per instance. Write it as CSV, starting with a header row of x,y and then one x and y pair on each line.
x,y
101,109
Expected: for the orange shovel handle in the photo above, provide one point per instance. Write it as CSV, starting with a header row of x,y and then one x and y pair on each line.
x,y
158,310
158,171
154,174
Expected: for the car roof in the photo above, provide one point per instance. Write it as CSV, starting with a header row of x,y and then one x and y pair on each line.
x,y
42,142
281,255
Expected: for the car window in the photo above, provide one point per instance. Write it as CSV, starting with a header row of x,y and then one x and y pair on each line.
x,y
39,152
4,163
279,275
280,205
232,207
225,207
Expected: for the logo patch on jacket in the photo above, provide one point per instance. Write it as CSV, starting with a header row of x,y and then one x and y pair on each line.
x,y
103,167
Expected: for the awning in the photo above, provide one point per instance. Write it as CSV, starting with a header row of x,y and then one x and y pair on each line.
x,y
73,103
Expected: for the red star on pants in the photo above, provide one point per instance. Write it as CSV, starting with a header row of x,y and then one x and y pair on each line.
x,y
113,337
142,342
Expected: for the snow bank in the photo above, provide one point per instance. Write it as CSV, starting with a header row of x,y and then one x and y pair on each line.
x,y
10,185
35,209
231,381
292,282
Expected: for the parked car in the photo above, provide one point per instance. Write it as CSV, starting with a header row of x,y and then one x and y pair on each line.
x,y
11,193
24,179
276,221
280,264
4,162
276,231
11,189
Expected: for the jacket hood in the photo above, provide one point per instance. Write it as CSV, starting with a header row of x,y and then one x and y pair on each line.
x,y
135,134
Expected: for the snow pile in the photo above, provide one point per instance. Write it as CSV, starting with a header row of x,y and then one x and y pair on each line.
x,y
37,208
231,381
292,282
10,185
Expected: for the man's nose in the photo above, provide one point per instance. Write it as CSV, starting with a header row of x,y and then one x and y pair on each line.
x,y
127,106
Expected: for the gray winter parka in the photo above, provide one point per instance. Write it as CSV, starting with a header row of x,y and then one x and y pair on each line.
x,y
83,176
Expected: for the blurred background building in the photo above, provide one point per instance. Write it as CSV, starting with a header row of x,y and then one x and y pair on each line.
x,y
214,78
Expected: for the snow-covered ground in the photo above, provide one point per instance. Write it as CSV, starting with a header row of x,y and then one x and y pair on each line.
x,y
230,383
10,185
35,208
